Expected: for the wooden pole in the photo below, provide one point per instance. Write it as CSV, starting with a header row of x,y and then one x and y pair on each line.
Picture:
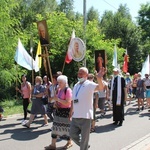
x,y
31,51
16,81
32,69
48,63
63,67
84,26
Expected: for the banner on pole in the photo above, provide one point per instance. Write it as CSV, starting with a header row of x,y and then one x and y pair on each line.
x,y
78,49
100,59
43,32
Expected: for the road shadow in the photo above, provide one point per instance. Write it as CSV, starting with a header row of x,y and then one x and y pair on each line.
x,y
106,116
147,114
9,125
25,134
105,128
61,148
131,111
21,133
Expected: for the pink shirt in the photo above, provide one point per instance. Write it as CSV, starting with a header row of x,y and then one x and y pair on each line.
x,y
61,94
25,91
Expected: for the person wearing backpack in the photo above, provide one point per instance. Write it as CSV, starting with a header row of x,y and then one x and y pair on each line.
x,y
61,122
26,95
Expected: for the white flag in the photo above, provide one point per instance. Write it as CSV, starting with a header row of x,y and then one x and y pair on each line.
x,y
145,67
24,59
114,63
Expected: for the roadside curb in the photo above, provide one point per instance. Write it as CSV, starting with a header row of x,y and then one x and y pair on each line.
x,y
141,144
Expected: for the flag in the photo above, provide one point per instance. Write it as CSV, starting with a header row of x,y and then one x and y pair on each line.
x,y
145,67
24,59
125,63
38,60
114,63
31,50
68,57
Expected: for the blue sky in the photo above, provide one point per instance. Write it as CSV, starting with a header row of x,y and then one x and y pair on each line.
x,y
113,5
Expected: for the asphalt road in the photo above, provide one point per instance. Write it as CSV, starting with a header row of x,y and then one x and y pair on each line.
x,y
13,136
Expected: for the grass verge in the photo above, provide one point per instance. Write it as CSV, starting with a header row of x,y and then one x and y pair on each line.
x,y
12,107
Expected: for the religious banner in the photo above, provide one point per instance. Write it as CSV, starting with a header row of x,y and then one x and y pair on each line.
x,y
78,49
100,59
126,61
43,32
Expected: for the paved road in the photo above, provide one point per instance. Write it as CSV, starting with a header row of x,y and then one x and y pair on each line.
x,y
133,135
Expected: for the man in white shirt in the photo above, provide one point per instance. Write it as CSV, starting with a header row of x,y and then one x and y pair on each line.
x,y
82,107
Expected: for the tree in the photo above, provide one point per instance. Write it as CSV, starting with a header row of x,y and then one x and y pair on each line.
x,y
120,25
8,42
66,6
92,14
30,8
144,20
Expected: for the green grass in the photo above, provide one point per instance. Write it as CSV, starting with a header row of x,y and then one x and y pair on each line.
x,y
12,107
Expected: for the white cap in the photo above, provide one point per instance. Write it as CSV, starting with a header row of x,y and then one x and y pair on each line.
x,y
115,69
127,73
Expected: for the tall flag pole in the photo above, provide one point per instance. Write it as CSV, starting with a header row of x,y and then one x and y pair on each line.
x,y
68,57
84,26
114,63
16,68
31,52
125,63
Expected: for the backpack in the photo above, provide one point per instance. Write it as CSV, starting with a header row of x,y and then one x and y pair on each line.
x,y
65,91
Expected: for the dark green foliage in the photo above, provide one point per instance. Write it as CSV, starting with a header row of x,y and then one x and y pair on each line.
x,y
92,14
120,25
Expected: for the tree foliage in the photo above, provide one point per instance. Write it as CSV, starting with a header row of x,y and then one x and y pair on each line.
x,y
120,25
66,6
18,20
92,14
143,22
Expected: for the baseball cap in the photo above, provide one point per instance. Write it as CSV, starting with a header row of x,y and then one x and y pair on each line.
x,y
127,73
115,69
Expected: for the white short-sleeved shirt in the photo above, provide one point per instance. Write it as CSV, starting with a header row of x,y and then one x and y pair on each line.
x,y
84,94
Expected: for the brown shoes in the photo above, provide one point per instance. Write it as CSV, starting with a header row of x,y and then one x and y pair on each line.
x,y
68,145
50,147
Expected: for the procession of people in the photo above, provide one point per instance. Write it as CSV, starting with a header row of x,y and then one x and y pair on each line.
x,y
72,110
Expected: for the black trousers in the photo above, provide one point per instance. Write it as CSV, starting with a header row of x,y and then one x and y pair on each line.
x,y
25,106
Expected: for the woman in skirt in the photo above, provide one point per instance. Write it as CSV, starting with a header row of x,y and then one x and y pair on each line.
x,y
38,106
61,122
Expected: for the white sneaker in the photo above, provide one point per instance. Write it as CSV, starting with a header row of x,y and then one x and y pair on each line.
x,y
24,122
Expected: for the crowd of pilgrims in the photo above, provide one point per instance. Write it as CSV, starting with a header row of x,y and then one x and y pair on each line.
x,y
53,101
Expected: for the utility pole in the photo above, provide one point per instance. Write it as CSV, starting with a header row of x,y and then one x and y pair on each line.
x,y
84,27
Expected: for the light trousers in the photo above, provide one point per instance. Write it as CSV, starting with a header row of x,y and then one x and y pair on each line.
x,y
80,132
